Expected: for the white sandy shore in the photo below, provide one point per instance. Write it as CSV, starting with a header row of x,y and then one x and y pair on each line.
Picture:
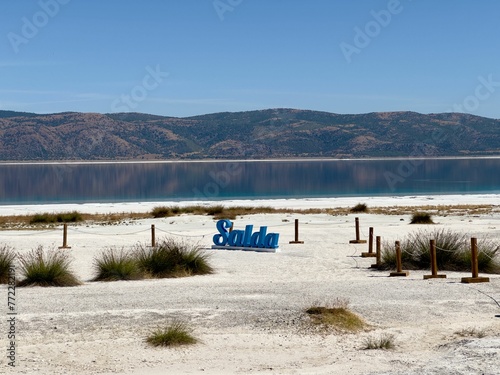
x,y
250,313
378,201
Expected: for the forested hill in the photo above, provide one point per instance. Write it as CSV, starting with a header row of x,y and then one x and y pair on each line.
x,y
273,133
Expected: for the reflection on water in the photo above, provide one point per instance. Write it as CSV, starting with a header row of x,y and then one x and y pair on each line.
x,y
44,183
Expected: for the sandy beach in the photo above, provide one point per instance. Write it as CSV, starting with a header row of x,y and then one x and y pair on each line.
x,y
249,314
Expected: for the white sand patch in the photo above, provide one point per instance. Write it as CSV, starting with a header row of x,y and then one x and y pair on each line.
x,y
250,313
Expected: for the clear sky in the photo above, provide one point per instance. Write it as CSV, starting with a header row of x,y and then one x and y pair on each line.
x,y
189,57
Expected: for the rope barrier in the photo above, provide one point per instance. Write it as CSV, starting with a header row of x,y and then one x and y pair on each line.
x,y
28,234
354,257
486,294
184,235
77,230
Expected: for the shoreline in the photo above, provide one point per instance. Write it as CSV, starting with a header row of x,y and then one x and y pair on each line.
x,y
298,203
278,160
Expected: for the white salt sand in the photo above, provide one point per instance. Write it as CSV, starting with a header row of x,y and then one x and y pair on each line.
x,y
249,315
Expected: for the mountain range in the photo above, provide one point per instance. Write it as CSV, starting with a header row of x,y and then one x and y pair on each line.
x,y
272,133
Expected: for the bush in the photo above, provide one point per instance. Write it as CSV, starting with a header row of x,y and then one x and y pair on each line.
x,y
63,217
421,218
50,268
360,207
215,210
452,252
7,257
171,258
337,316
113,265
174,335
383,342
162,211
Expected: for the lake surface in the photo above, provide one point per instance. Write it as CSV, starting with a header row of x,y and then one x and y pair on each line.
x,y
121,182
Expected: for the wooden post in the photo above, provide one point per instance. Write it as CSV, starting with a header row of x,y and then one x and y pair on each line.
x,y
370,252
153,237
475,266
377,253
399,263
434,267
357,240
65,238
296,232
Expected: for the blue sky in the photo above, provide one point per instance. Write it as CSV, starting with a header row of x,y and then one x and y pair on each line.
x,y
190,57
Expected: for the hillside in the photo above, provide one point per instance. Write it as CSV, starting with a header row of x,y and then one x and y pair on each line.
x,y
273,133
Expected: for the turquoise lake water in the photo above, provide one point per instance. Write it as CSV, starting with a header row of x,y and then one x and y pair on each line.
x,y
121,182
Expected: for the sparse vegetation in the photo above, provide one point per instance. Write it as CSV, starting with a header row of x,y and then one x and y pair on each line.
x,y
472,332
21,221
385,341
172,258
360,207
114,264
175,334
7,256
51,268
452,252
62,217
421,218
337,316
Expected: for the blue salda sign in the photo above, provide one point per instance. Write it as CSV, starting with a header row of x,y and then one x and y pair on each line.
x,y
244,239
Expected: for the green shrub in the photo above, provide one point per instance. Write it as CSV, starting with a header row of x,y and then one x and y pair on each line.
x,y
51,268
174,335
360,207
63,217
421,218
172,258
113,265
7,256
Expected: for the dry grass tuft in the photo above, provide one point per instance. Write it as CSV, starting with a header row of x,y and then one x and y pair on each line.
x,y
176,334
337,316
472,332
385,341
